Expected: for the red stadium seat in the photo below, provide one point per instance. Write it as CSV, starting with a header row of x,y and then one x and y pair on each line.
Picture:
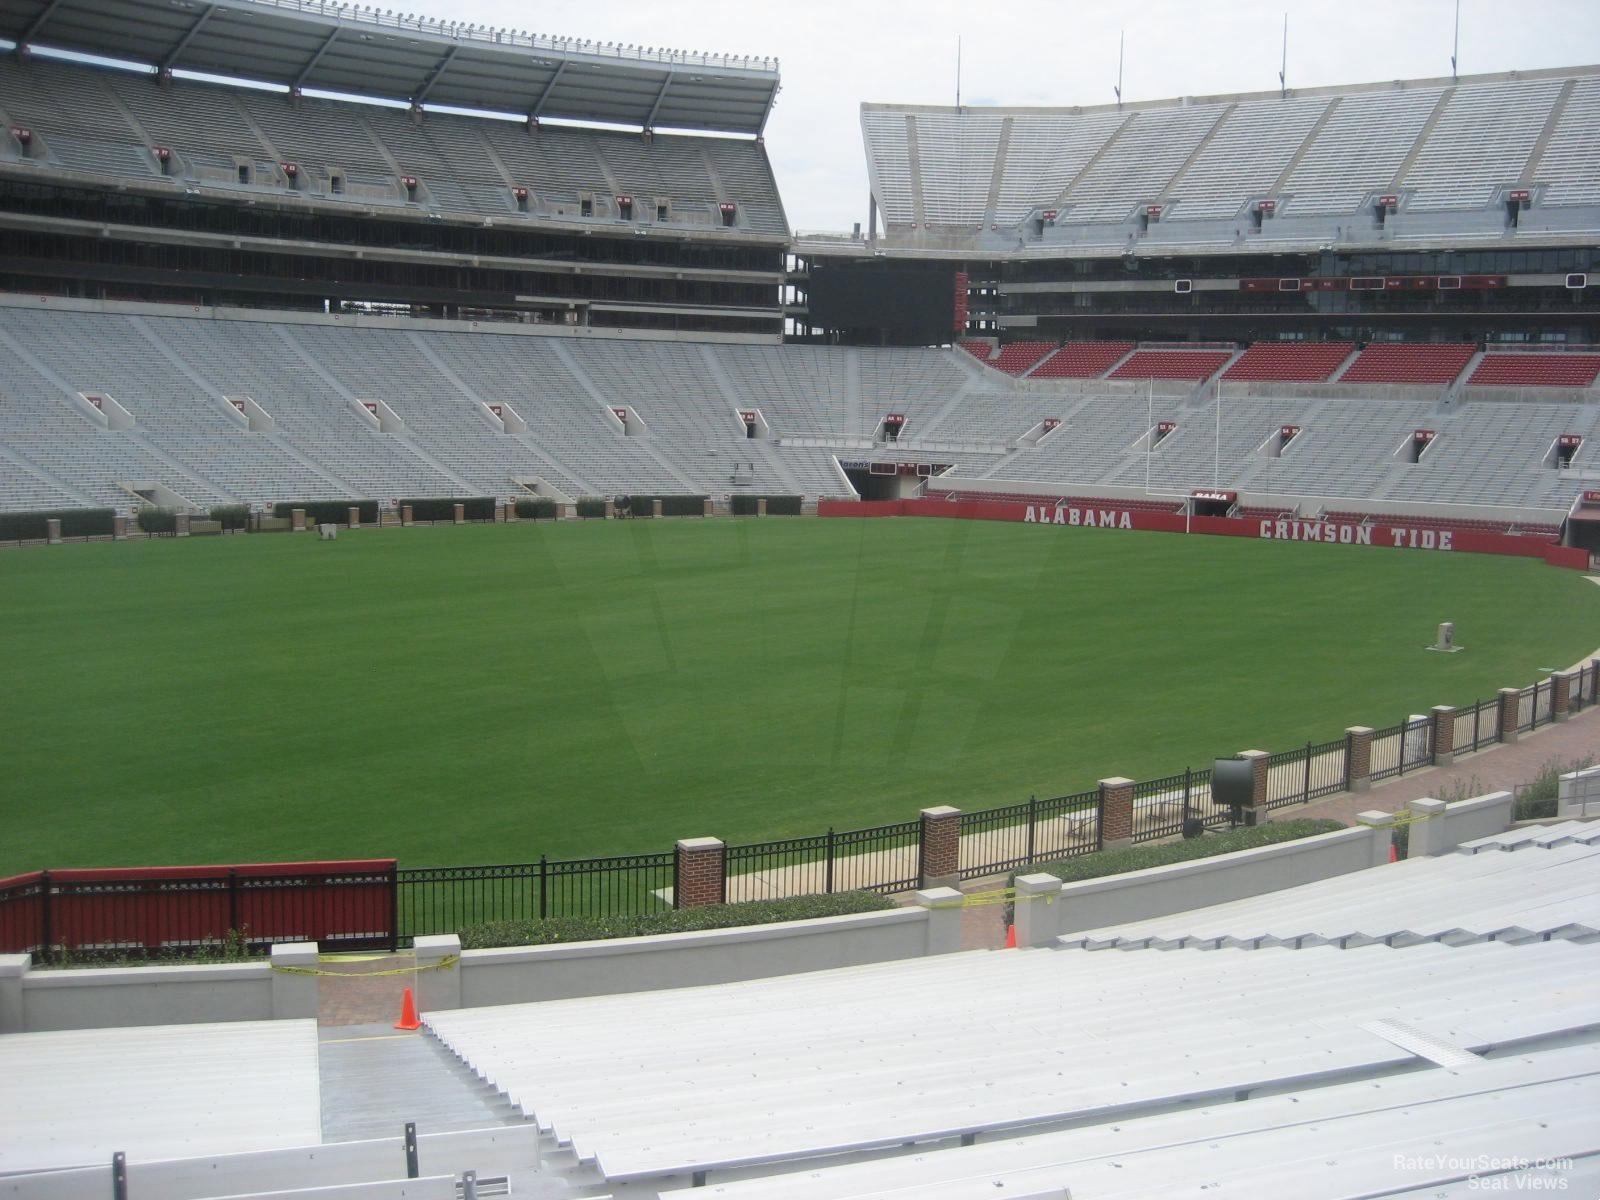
x,y
1081,360
1405,362
1290,362
1537,370
1172,364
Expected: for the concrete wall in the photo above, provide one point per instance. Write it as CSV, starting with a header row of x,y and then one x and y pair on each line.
x,y
99,997
1438,828
1157,891
514,975
32,1000
108,997
1580,794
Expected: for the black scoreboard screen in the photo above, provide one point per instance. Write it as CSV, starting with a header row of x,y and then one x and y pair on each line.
x,y
906,304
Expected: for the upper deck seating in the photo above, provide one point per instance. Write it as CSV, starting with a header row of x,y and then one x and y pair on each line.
x,y
1081,360
1290,362
1410,362
1171,364
1536,370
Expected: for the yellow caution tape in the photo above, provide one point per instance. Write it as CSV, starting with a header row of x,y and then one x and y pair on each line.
x,y
447,961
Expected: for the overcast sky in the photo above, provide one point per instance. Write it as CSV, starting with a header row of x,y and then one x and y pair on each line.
x,y
837,53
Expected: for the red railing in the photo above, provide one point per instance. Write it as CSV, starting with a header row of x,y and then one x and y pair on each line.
x,y
142,909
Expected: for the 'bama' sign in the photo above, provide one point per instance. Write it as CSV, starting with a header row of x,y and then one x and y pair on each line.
x,y
1343,534
1094,518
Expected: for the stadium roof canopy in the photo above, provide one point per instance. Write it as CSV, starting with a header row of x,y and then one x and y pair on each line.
x,y
363,51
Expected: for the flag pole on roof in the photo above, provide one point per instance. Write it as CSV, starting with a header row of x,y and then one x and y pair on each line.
x,y
1455,44
1283,70
1122,35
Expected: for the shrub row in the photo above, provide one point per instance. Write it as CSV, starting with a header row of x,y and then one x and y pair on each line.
x,y
443,508
231,516
75,522
541,508
158,520
777,506
328,512
714,916
1137,858
671,506
591,506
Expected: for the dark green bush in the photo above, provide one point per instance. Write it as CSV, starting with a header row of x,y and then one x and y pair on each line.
x,y
671,506
75,522
1540,799
158,520
443,508
715,916
591,506
232,516
329,512
777,506
540,508
1137,858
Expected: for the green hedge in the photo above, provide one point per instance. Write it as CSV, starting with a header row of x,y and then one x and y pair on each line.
x,y
777,506
1137,858
328,512
75,522
232,516
715,916
671,506
591,506
158,520
443,508
540,509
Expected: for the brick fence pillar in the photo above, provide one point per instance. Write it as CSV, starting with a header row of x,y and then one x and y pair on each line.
x,y
1561,696
406,518
655,507
352,517
569,512
1358,758
119,529
1444,734
297,520
52,531
1510,701
1116,813
711,508
509,511
700,868
180,524
761,506
941,847
611,508
458,514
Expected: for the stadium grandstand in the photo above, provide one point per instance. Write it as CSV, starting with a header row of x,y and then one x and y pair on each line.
x,y
262,251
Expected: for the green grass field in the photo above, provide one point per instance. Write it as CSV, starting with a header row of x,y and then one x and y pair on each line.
x,y
491,693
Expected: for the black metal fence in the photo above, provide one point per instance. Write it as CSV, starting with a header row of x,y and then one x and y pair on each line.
x,y
1016,836
444,899
1478,726
1160,806
1401,748
882,858
1315,770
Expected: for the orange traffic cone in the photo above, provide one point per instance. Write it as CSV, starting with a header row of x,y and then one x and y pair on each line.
x,y
1011,937
408,1013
